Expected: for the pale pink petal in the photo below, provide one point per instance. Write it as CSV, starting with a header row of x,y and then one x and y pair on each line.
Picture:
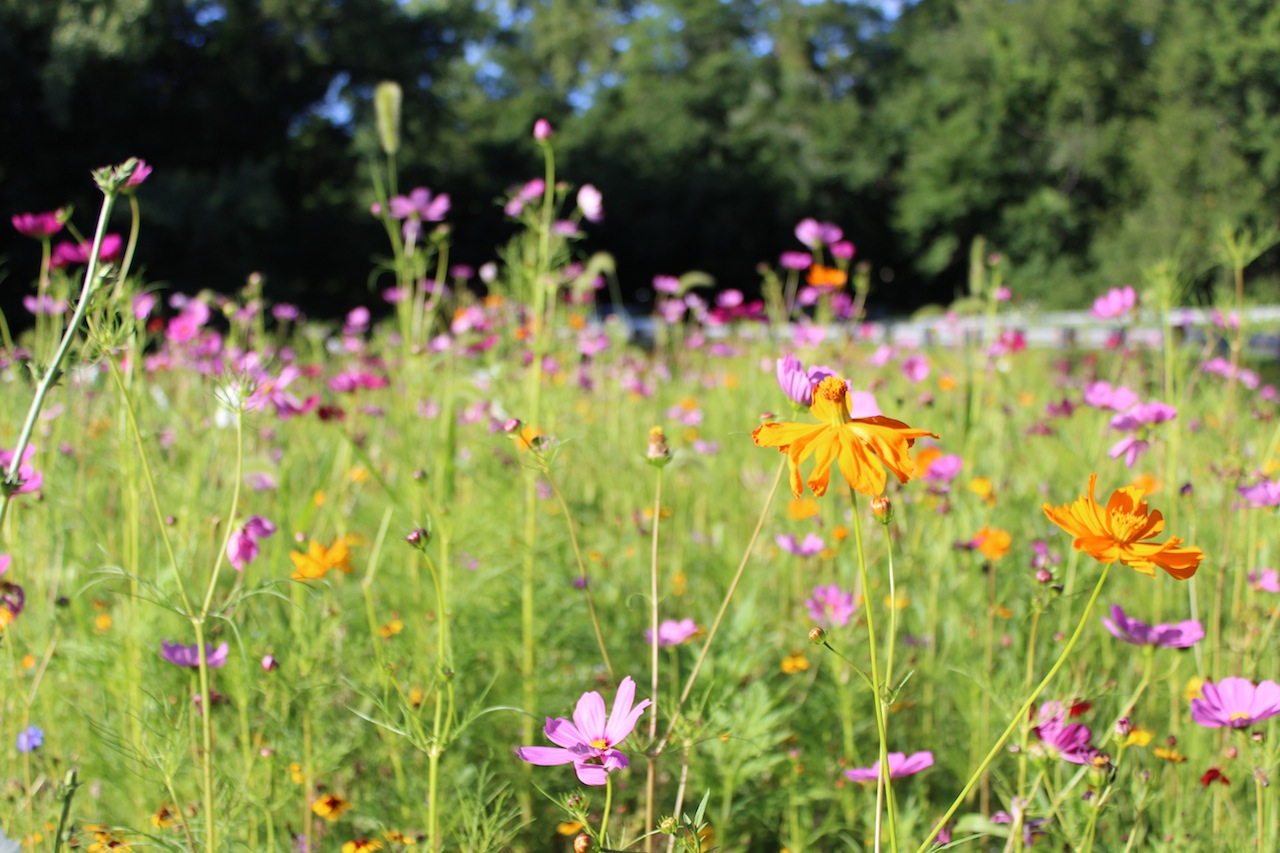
x,y
545,756
589,716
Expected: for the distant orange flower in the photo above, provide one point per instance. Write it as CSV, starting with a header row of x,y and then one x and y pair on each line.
x,y
331,806
992,542
318,560
840,438
820,276
1116,533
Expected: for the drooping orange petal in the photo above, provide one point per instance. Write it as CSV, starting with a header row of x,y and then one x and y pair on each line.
x,y
857,466
826,448
795,440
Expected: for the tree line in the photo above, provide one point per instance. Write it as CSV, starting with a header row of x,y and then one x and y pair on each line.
x,y
1084,141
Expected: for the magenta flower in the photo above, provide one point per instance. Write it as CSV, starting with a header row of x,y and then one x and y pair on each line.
x,y
1179,635
900,764
1116,302
673,633
796,382
811,546
798,261
1235,703
140,173
1137,421
1070,743
589,741
242,549
830,605
943,469
189,656
29,479
44,304
542,130
1101,395
915,368
75,254
843,250
38,225
1262,494
813,233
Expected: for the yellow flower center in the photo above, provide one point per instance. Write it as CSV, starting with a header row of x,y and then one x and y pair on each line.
x,y
831,401
600,743
1125,526
1240,715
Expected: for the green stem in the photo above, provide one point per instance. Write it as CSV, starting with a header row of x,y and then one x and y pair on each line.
x,y
1021,713
53,371
878,687
608,807
652,759
582,570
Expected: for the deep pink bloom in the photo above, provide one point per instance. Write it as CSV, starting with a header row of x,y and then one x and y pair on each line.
x,y
591,203
673,633
1070,743
589,741
810,547
795,260
1178,635
140,173
242,548
1137,421
76,254
542,130
943,469
830,605
1116,302
1235,703
843,250
900,764
667,284
38,225
813,233
189,656
796,382
915,368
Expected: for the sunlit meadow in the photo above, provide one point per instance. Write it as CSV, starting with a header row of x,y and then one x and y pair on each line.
x,y
475,569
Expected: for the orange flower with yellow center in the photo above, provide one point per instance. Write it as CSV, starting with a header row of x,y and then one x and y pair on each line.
x,y
853,443
318,560
1118,533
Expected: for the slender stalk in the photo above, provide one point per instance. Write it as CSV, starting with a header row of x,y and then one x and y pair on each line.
x,y
54,370
69,786
878,687
582,571
1021,713
651,777
608,807
724,607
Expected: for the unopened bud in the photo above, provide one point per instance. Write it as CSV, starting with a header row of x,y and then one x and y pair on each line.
x,y
1258,737
418,537
668,825
269,663
512,426
766,417
658,453
1044,575
1230,752
1123,726
817,635
542,131
1261,775
882,509
582,843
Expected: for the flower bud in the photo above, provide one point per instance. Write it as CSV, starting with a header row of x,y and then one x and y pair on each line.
x,y
817,635
1258,737
658,452
1044,575
581,842
269,663
511,426
882,509
668,825
1123,726
418,537
542,131
1231,752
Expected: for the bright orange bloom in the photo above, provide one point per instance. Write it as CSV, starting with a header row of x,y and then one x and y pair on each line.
x,y
331,806
1117,533
820,276
318,560
993,542
853,443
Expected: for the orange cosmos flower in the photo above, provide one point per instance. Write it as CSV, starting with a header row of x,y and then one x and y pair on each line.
x,y
820,276
840,438
1117,532
318,560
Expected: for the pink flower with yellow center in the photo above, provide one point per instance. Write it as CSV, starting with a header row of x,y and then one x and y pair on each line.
x,y
1235,703
589,741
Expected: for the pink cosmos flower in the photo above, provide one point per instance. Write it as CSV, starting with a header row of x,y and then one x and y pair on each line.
x,y
242,549
1137,421
830,605
1179,635
591,203
189,656
1265,493
44,304
29,479
1116,302
900,764
38,225
796,382
798,261
589,742
75,254
1101,395
1265,580
1070,743
666,284
843,250
915,368
1235,703
813,233
810,547
943,469
140,173
673,633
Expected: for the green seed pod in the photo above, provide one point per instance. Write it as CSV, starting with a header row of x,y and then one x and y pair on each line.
x,y
386,105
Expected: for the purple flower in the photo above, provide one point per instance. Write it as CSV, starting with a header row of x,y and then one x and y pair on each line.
x,y
796,382
1116,302
900,764
1262,494
419,204
673,633
1070,743
189,656
1101,395
38,225
811,546
830,605
798,261
1137,420
843,250
1179,635
242,549
589,741
813,233
1235,703
44,304
915,368
591,203
30,738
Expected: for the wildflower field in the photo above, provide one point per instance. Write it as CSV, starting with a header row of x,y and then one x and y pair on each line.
x,y
471,570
